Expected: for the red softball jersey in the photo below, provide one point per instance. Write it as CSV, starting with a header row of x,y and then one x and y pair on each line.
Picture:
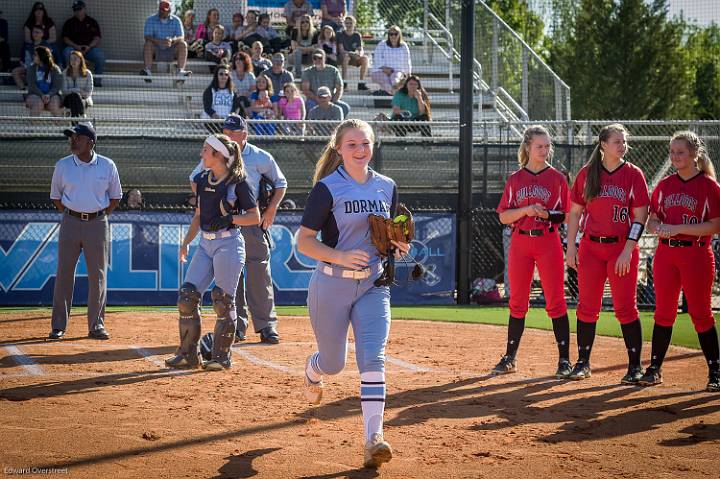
x,y
610,212
547,187
676,201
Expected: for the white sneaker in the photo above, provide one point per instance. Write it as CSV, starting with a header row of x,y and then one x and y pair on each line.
x,y
377,451
313,391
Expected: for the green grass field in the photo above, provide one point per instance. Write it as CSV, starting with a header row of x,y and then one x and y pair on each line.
x,y
683,334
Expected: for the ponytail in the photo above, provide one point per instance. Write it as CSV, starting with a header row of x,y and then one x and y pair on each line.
x,y
330,159
703,162
530,133
594,164
234,162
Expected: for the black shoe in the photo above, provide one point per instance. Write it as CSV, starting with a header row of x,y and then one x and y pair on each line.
x,y
240,331
217,365
633,375
146,73
97,82
99,333
713,384
580,371
57,334
269,335
505,366
182,361
345,85
652,376
564,369
362,86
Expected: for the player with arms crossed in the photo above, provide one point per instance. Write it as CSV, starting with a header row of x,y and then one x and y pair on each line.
x,y
224,202
535,201
611,196
685,213
343,289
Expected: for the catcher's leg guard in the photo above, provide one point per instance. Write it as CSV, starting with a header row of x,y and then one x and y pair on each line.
x,y
224,334
189,309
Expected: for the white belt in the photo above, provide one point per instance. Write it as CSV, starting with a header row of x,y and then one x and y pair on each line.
x,y
212,236
346,273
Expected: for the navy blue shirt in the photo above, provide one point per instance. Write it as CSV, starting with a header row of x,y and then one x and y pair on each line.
x,y
218,198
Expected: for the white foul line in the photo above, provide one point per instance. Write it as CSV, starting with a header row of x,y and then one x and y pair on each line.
x,y
401,363
147,356
32,368
261,362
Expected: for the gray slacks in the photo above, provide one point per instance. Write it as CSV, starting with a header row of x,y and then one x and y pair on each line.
x,y
93,239
255,287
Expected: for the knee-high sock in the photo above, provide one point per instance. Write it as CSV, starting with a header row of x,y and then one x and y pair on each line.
x,y
313,369
660,343
632,334
585,339
516,327
561,328
372,401
709,345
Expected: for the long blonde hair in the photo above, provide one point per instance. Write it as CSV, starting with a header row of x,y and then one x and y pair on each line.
x,y
524,151
330,159
696,144
594,164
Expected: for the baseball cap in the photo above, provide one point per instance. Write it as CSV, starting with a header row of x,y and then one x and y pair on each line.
x,y
78,5
323,92
234,123
164,6
82,129
278,58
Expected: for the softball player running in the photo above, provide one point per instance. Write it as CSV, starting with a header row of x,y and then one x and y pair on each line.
x,y
341,290
224,202
611,196
685,212
535,201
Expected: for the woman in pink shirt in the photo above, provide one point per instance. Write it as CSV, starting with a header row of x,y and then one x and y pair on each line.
x,y
292,107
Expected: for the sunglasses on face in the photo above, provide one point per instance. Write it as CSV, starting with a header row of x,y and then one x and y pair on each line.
x,y
393,34
317,58
223,74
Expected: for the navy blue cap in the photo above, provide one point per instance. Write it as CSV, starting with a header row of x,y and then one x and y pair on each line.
x,y
234,123
78,5
84,129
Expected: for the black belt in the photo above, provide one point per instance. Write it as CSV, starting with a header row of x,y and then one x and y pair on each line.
x,y
84,216
536,232
674,243
604,239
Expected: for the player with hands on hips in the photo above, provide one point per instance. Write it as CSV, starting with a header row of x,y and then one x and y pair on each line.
x,y
342,291
535,202
685,213
224,202
611,197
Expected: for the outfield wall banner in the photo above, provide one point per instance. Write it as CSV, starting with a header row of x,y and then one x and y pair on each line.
x,y
144,267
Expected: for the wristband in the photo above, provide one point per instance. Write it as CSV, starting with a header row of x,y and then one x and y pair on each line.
x,y
556,216
636,231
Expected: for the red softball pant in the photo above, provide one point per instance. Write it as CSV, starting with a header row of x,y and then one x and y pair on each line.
x,y
597,264
546,252
691,268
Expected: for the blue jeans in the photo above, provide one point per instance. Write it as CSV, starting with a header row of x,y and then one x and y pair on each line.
x,y
95,55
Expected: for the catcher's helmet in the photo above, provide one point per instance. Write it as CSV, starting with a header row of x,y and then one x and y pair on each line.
x,y
206,344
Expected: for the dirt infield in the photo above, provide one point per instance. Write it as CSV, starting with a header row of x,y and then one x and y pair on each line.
x,y
109,409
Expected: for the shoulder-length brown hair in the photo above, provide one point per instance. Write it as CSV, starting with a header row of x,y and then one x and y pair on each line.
x,y
83,66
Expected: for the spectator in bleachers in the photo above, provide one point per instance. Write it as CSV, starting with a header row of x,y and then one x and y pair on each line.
x,y
81,32
263,84
218,50
26,56
324,110
236,26
270,37
294,10
205,29
39,17
328,43
260,63
302,43
4,46
195,49
320,75
249,34
45,81
243,76
411,103
164,40
333,12
350,51
77,85
263,105
291,106
391,61
278,75
220,97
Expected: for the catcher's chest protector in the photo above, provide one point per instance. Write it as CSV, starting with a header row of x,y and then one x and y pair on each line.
x,y
348,205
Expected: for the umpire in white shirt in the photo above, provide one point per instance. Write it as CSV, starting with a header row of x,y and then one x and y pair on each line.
x,y
86,189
